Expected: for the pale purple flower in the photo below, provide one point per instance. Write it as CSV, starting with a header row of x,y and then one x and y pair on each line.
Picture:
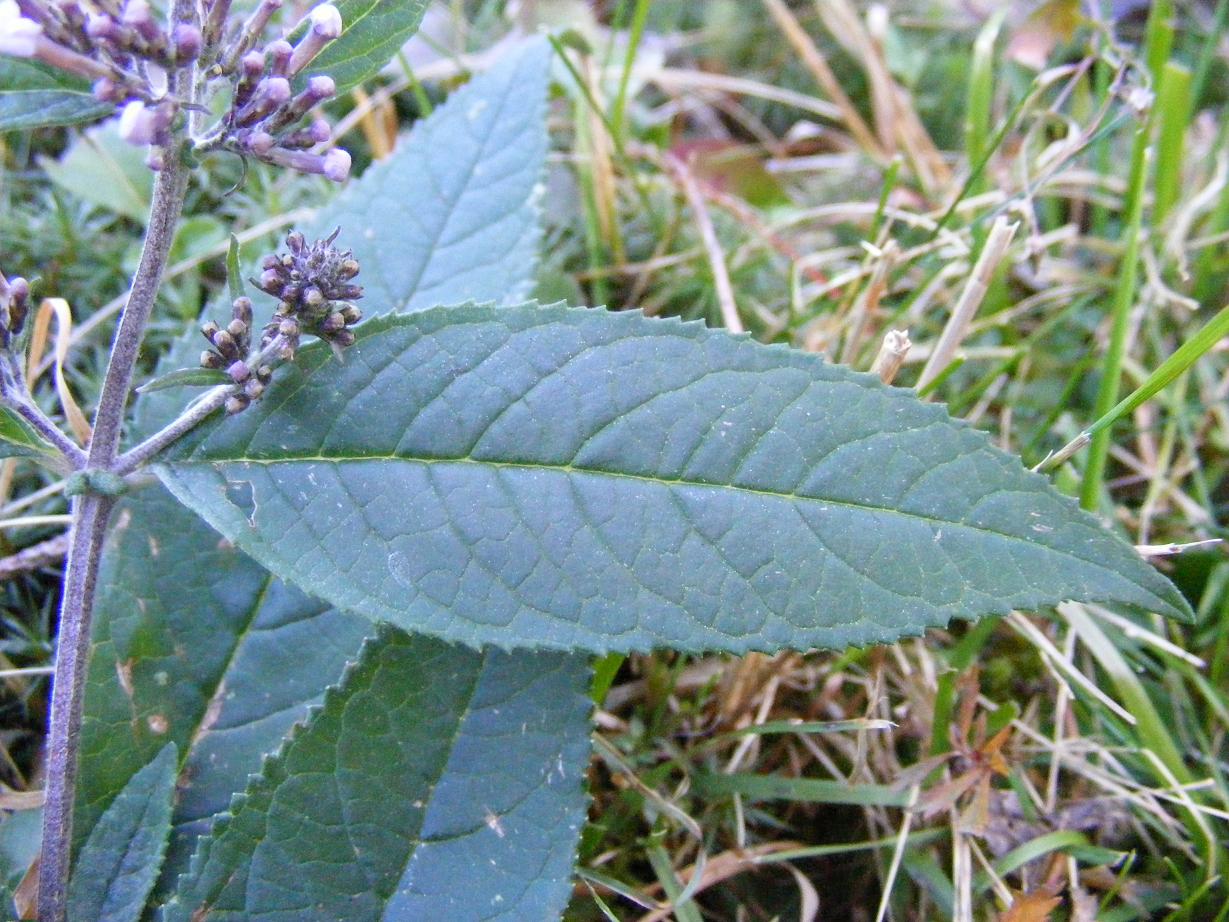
x,y
18,35
138,124
326,25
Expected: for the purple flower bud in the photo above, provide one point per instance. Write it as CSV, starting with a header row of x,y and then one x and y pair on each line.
x,y
271,93
188,41
19,36
137,16
107,90
100,25
326,25
271,281
336,165
260,142
137,124
239,372
156,159
279,53
253,64
321,87
320,131
241,310
237,404
253,389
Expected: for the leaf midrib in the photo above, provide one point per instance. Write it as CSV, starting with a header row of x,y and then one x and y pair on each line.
x,y
568,469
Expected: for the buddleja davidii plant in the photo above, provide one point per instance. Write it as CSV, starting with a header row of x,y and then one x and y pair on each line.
x,y
160,80
528,477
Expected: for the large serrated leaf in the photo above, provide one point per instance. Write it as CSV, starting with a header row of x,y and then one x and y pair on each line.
x,y
411,798
373,31
187,628
119,862
189,636
581,479
453,214
33,95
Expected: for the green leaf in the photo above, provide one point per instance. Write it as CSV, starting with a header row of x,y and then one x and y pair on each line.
x,y
104,170
117,866
582,479
187,629
18,440
196,644
374,31
185,377
409,797
453,214
33,95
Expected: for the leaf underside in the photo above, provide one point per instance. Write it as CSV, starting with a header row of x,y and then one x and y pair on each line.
x,y
408,797
531,476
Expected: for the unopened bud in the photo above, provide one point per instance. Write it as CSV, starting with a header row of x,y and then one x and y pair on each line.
x,y
107,90
349,268
313,297
138,124
241,309
288,327
296,241
209,329
279,53
264,373
19,36
351,314
325,25
188,41
210,359
343,338
271,281
333,323
225,343
239,372
253,389
260,142
336,165
238,329
237,404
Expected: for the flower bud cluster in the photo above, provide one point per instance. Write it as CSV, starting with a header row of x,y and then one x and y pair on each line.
x,y
231,353
14,306
266,114
121,46
313,284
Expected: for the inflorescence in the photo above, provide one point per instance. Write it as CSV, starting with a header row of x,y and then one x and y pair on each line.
x,y
313,284
129,55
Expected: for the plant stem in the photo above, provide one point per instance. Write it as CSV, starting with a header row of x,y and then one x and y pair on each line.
x,y
193,416
90,513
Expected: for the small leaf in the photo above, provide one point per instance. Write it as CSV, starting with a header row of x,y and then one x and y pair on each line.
x,y
106,171
453,214
33,95
117,866
374,31
584,479
18,440
234,275
186,377
435,783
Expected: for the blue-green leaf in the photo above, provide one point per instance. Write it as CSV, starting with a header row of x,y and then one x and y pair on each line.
x,y
117,866
33,95
435,783
529,476
373,31
453,214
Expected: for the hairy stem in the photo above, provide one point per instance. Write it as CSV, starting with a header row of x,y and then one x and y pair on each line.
x,y
90,513
196,413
